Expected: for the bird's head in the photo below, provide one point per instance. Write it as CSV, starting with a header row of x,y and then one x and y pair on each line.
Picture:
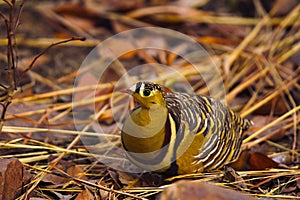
x,y
148,94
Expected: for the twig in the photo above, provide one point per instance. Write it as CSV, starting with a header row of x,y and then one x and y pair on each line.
x,y
271,124
100,186
11,24
46,49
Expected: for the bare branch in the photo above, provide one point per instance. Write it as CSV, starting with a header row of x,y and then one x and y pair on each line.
x,y
11,24
46,49
17,22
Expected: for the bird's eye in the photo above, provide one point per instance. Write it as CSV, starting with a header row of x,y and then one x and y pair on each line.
x,y
146,93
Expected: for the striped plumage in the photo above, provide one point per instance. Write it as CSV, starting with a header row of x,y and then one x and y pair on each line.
x,y
179,133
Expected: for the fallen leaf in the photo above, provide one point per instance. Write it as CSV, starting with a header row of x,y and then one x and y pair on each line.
x,y
250,160
192,190
85,195
115,176
86,79
55,180
275,133
283,158
13,178
289,189
258,161
76,171
233,176
276,105
128,178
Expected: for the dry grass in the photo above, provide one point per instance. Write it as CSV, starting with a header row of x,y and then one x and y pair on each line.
x,y
258,69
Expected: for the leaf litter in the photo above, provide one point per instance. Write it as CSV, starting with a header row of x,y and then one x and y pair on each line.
x,y
258,57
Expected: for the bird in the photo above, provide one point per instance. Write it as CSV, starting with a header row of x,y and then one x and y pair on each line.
x,y
176,133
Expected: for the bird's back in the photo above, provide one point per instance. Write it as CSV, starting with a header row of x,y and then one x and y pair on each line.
x,y
203,118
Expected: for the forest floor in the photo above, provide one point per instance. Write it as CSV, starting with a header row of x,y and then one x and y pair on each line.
x,y
64,63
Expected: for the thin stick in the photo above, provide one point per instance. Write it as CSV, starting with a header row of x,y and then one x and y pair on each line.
x,y
100,186
46,49
271,124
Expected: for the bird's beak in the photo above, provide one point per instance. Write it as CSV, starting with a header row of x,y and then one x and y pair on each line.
x,y
128,91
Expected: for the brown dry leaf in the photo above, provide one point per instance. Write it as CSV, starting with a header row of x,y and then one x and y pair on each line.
x,y
85,195
55,180
260,121
150,179
12,178
289,189
258,161
276,105
115,176
191,190
77,171
233,176
86,79
127,178
18,108
104,194
250,160
283,158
